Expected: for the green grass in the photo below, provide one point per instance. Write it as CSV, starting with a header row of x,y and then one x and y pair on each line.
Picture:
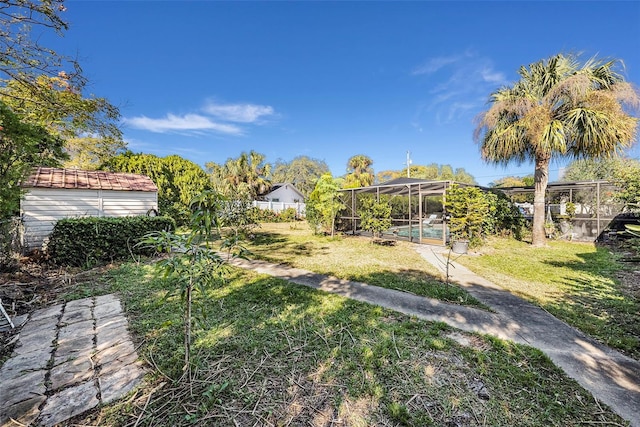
x,y
397,267
275,353
576,282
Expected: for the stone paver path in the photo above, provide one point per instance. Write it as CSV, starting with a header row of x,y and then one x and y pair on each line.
x,y
68,359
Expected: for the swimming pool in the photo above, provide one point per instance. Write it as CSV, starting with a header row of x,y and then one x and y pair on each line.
x,y
434,232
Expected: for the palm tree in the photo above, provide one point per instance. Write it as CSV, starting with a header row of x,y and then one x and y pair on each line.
x,y
559,108
245,176
359,171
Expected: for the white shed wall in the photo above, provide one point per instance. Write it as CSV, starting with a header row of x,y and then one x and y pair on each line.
x,y
41,208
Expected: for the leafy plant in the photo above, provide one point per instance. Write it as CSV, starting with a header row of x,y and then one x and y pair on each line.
x,y
375,217
633,229
468,209
195,264
90,240
323,204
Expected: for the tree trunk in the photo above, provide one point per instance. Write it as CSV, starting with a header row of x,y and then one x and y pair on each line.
x,y
541,179
187,332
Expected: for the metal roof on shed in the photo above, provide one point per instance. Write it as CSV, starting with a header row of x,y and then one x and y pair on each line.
x,y
45,177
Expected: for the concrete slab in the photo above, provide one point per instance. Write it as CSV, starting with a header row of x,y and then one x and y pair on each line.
x,y
79,304
73,383
77,330
79,315
24,387
46,313
123,351
108,309
69,403
24,412
24,363
71,372
117,383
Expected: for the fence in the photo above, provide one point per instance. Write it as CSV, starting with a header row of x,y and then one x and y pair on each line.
x,y
278,207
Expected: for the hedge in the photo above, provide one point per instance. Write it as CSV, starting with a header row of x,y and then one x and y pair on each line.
x,y
87,241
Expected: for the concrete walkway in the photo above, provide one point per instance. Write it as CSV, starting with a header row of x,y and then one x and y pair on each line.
x,y
610,376
68,359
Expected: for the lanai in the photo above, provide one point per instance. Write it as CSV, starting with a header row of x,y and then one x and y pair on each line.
x,y
423,215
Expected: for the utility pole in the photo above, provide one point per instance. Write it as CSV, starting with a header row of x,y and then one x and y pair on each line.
x,y
408,164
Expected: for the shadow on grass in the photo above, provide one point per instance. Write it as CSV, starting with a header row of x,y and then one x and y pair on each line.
x,y
273,353
269,242
595,303
413,281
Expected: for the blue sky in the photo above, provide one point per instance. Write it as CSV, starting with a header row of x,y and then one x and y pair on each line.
x,y
208,80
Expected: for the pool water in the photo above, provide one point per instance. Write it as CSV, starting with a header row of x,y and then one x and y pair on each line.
x,y
427,232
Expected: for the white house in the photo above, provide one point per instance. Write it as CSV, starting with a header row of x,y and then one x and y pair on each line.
x,y
53,194
282,196
284,193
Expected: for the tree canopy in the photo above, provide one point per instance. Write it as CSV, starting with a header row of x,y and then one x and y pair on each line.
x,y
624,172
560,108
48,89
178,180
324,204
513,181
432,171
88,124
22,146
244,177
359,172
22,57
303,172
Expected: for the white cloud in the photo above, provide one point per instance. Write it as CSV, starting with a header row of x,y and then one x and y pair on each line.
x,y
239,113
185,123
434,64
460,85
213,117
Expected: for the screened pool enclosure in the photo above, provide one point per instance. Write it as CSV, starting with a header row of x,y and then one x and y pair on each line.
x,y
584,210
417,208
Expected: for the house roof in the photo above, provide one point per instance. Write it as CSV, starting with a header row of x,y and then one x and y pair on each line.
x,y
279,185
44,177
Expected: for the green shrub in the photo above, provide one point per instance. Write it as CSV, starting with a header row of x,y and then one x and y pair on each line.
x,y
267,215
91,240
288,215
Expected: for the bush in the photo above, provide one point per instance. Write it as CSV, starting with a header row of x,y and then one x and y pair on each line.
x,y
267,215
91,240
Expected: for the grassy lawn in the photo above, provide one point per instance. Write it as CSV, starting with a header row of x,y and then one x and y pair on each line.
x,y
274,353
355,258
576,282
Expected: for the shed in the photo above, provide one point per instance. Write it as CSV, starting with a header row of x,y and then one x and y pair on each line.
x,y
53,194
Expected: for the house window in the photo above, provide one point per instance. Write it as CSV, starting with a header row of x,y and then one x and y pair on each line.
x,y
275,200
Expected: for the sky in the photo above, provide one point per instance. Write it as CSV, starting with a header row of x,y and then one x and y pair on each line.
x,y
208,80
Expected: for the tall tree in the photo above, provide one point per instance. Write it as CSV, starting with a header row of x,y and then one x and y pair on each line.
x,y
303,172
559,108
244,177
22,146
179,180
590,169
88,124
359,172
47,89
22,57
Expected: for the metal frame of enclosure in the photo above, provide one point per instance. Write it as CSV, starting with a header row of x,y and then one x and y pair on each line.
x,y
417,208
418,213
597,210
